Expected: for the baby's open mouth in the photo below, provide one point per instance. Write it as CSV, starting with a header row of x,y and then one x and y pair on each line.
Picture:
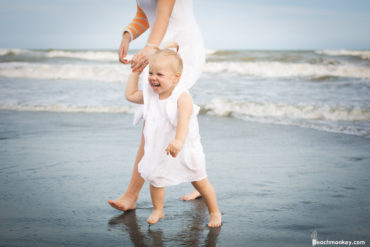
x,y
155,84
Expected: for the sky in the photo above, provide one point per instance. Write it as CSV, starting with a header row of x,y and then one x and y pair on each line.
x,y
236,24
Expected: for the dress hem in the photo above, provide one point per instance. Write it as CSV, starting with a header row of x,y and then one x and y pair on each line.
x,y
173,184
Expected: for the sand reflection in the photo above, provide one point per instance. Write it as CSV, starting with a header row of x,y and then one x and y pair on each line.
x,y
190,234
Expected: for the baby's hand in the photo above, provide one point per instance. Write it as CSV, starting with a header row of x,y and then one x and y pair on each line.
x,y
174,148
141,59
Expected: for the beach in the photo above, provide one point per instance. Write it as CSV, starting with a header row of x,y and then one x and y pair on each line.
x,y
276,184
286,136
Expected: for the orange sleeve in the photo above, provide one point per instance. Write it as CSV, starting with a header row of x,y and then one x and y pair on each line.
x,y
138,25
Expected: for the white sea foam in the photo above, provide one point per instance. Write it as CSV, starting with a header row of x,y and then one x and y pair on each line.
x,y
210,52
325,118
95,72
279,69
118,72
85,55
256,115
363,54
69,108
336,127
345,120
105,56
226,107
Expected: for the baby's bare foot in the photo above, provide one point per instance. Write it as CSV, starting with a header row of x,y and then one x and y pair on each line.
x,y
124,203
214,220
155,216
192,196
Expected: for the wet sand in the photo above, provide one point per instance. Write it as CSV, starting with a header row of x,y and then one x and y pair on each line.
x,y
275,184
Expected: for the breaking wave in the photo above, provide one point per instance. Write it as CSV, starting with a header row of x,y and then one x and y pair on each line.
x,y
94,72
68,108
104,56
225,107
287,70
362,54
325,118
117,72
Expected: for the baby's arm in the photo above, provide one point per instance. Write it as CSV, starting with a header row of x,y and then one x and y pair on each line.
x,y
185,110
133,94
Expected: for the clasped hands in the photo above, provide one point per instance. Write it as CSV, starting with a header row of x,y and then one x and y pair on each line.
x,y
140,60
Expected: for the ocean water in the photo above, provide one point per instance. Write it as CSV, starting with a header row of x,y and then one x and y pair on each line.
x,y
326,90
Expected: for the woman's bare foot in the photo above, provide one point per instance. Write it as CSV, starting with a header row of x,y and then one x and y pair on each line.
x,y
124,203
155,216
192,196
214,220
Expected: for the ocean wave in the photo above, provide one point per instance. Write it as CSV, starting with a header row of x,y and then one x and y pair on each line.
x,y
4,52
225,52
104,56
69,108
357,53
288,70
89,55
353,121
84,55
225,107
118,72
210,52
94,72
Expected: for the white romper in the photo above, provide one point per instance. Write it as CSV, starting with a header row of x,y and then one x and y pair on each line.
x,y
156,166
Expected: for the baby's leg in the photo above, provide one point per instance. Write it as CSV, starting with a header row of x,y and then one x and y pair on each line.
x,y
208,193
157,195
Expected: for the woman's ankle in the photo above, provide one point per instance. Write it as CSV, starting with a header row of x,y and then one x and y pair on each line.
x,y
131,196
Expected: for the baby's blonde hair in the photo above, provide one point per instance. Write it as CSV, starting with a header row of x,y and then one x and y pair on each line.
x,y
169,53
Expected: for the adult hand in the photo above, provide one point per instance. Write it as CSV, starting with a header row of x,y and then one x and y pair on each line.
x,y
122,53
141,59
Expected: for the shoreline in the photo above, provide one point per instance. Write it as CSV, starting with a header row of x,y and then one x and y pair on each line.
x,y
129,110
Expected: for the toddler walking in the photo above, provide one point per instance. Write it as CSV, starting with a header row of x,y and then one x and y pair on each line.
x,y
173,152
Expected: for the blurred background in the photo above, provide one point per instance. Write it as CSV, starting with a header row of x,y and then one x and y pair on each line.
x,y
302,63
252,24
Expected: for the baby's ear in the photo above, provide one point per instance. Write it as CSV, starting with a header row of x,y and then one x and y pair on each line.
x,y
177,76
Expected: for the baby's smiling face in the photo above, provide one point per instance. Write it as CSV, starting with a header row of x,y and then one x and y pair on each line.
x,y
162,77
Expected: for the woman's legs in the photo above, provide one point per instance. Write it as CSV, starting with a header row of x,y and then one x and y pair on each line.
x,y
209,195
157,195
128,200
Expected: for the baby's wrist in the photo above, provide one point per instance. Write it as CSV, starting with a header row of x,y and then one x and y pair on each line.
x,y
180,141
150,49
136,73
151,45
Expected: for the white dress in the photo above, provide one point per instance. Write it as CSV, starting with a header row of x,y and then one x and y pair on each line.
x,y
182,29
156,166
